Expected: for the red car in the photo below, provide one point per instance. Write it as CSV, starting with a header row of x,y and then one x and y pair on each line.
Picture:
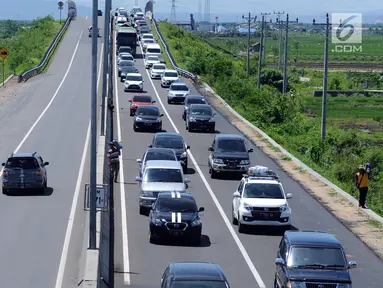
x,y
139,100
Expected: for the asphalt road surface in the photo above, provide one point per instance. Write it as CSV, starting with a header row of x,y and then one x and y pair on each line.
x,y
241,256
34,228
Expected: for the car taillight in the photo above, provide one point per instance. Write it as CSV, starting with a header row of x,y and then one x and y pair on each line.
x,y
38,173
5,174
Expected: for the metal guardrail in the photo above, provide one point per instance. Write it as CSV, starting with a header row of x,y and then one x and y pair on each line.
x,y
37,70
181,71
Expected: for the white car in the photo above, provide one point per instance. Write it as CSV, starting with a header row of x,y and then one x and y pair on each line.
x,y
150,60
147,36
125,56
168,77
177,92
145,43
261,200
157,70
134,81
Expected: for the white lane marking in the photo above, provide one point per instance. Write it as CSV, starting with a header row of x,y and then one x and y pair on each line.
x,y
124,225
173,217
72,214
241,248
50,102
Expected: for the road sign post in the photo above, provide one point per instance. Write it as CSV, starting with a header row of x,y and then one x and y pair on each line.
x,y
61,6
4,54
102,196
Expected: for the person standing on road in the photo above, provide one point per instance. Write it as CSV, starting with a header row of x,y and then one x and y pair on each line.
x,y
114,158
361,182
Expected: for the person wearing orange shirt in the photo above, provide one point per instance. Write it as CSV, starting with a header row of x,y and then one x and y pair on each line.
x,y
361,182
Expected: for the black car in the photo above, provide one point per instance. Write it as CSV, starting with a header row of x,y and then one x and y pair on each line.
x,y
229,153
147,118
175,214
24,171
200,117
125,63
191,99
126,70
173,141
99,12
165,154
193,275
312,259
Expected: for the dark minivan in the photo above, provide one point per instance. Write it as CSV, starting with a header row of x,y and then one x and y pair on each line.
x,y
312,259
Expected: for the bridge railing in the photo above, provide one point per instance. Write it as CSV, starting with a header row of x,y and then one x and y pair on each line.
x,y
48,54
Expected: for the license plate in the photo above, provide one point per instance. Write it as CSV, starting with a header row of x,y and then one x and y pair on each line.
x,y
148,124
232,166
266,215
175,233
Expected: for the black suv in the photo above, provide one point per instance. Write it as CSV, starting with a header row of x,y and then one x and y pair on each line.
x,y
24,171
228,154
312,259
200,117
191,99
175,214
194,274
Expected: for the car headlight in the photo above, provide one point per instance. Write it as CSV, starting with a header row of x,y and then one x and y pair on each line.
x,y
171,94
296,285
158,119
344,286
246,206
284,207
183,155
212,119
133,105
192,119
196,222
218,161
244,162
148,193
157,222
138,119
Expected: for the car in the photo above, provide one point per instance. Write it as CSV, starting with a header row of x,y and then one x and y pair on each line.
x,y
145,43
134,81
191,99
127,70
312,259
200,117
99,13
175,215
261,200
147,117
124,49
124,63
24,171
168,77
156,154
139,100
160,176
228,153
157,70
150,60
125,57
173,141
177,92
194,274
90,30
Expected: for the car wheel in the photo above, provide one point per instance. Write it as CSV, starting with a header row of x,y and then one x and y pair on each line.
x,y
121,80
142,210
46,183
131,114
233,219
183,116
5,191
134,128
241,227
162,85
152,239
213,174
169,102
186,127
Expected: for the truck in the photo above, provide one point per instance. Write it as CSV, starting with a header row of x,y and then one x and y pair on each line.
x,y
127,36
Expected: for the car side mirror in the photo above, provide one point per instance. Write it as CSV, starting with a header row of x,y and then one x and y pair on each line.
x,y
289,196
138,179
150,145
139,161
154,101
250,150
153,204
187,180
214,114
46,163
130,100
236,194
162,115
210,149
351,264
201,209
3,164
143,81
279,262
167,89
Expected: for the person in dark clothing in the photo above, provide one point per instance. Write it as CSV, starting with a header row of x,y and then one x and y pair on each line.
x,y
361,182
114,154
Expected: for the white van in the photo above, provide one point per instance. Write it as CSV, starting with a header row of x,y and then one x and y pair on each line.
x,y
153,49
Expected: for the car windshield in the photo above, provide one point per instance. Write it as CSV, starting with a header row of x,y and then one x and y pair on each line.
x,y
170,142
179,88
159,67
143,99
171,74
129,69
126,57
160,156
152,58
315,256
231,145
202,111
198,284
176,205
145,111
133,78
125,50
163,175
23,163
195,101
126,63
153,50
263,190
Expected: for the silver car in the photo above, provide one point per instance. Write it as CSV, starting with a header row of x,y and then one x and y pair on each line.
x,y
177,92
156,154
157,71
160,176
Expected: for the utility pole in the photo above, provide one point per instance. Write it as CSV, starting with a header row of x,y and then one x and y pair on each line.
x,y
260,52
108,8
249,19
93,144
280,37
264,37
325,73
286,52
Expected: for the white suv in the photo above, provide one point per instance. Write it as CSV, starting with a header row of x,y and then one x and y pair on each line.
x,y
261,200
168,77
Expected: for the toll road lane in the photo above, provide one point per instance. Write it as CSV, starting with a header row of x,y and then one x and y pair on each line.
x,y
34,227
148,261
308,214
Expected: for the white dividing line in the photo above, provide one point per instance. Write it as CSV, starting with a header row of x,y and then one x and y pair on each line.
x,y
124,225
246,256
72,214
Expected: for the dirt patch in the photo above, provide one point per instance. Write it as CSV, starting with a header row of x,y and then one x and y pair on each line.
x,y
364,227
363,126
10,90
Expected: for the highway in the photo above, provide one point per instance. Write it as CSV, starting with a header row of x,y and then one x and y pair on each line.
x,y
50,115
245,258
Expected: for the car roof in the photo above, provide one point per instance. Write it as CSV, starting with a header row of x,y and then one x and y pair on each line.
x,y
162,64
152,107
126,54
147,34
261,181
22,155
158,149
199,105
163,164
167,134
315,238
170,195
178,84
135,74
153,45
196,270
228,136
171,70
